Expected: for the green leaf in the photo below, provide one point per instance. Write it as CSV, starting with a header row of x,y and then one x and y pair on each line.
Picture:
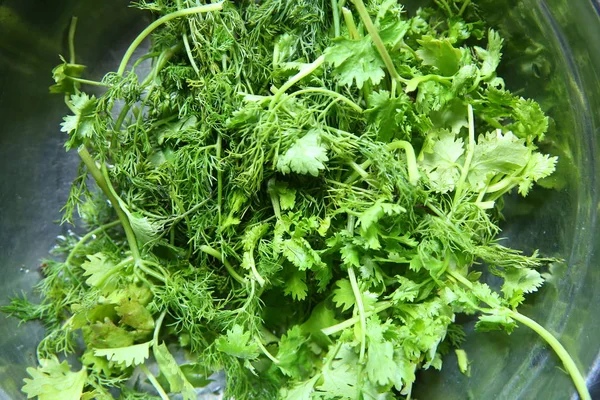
x,y
306,156
145,229
355,61
299,252
385,113
238,343
530,122
518,281
130,355
54,381
441,163
296,358
539,166
440,54
100,271
341,381
343,296
62,75
491,56
135,315
373,214
301,391
80,126
171,371
295,285
498,320
408,290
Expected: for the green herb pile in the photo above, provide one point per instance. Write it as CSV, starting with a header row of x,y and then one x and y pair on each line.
x,y
302,193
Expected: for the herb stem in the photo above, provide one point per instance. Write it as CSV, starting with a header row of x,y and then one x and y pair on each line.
x,y
88,236
560,351
336,17
221,257
106,188
166,18
304,71
71,39
154,382
411,159
219,178
463,8
387,60
337,95
188,50
349,20
157,326
361,313
88,82
265,351
468,157
351,321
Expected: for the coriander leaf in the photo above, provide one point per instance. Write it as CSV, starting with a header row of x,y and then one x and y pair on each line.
x,y
440,54
53,380
135,315
518,281
295,356
539,166
63,74
441,163
385,113
373,214
301,391
171,371
343,296
355,60
408,290
100,272
491,56
498,319
306,156
130,355
530,122
299,252
341,381
295,285
145,229
238,343
80,126
496,153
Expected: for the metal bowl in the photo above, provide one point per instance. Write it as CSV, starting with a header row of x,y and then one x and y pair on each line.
x,y
560,68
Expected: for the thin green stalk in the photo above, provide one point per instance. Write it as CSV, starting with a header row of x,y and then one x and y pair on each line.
x,y
350,24
166,18
71,39
361,313
411,159
305,71
265,351
336,17
163,395
88,236
219,178
188,50
354,320
219,255
331,93
463,8
468,157
88,82
104,185
561,352
387,60
157,326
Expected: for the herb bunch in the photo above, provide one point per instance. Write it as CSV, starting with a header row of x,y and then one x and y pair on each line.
x,y
300,193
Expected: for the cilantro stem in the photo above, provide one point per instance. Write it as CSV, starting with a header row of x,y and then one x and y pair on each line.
x,y
71,39
265,351
220,256
349,20
157,326
468,157
219,178
560,351
336,17
304,72
387,60
88,82
166,18
188,50
463,8
88,236
351,321
411,159
323,91
154,382
106,188
361,313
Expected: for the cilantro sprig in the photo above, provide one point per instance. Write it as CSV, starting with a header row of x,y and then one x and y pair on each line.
x,y
303,194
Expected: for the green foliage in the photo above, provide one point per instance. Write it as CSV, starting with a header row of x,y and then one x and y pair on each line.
x,y
301,202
